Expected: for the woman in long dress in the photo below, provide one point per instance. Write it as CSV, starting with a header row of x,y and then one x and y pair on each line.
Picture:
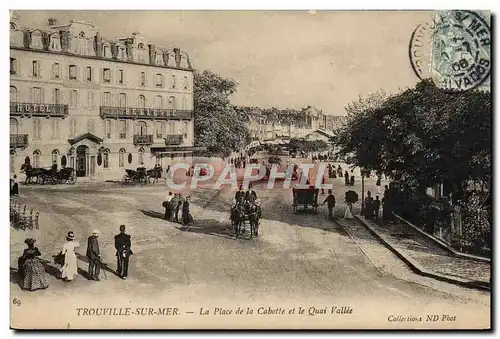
x,y
70,268
31,269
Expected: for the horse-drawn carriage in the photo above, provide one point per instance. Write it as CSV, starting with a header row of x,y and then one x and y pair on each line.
x,y
306,197
66,175
246,215
139,176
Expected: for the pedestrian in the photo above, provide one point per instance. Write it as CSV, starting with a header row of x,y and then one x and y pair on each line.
x,y
376,207
348,211
123,247
178,209
386,204
31,269
368,209
69,268
166,204
15,185
352,178
173,206
379,179
346,178
94,256
330,200
187,218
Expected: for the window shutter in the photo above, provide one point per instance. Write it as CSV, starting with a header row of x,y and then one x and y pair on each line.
x,y
31,94
54,96
42,95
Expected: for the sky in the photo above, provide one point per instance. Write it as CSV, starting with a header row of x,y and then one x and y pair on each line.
x,y
283,59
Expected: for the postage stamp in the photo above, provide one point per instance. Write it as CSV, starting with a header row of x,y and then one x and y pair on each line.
x,y
454,49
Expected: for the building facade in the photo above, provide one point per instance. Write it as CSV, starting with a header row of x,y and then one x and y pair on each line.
x,y
98,106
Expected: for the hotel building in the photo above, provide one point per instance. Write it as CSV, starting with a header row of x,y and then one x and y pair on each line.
x,y
96,105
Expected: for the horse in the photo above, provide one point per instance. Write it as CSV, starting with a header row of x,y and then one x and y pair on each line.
x,y
246,210
31,173
154,173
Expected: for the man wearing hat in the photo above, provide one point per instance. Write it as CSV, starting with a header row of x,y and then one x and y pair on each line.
x,y
123,252
94,256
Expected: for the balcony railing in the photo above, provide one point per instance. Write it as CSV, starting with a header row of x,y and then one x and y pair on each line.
x,y
141,140
32,109
18,140
175,139
145,113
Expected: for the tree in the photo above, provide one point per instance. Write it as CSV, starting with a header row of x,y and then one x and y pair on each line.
x,y
423,136
218,125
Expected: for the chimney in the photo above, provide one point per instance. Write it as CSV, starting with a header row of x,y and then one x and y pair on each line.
x,y
52,21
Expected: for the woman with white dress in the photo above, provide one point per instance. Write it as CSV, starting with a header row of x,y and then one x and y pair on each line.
x,y
70,268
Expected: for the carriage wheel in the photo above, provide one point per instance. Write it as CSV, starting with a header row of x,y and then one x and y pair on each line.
x,y
143,180
124,179
72,179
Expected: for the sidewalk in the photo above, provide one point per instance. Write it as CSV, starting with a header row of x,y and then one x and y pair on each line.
x,y
425,257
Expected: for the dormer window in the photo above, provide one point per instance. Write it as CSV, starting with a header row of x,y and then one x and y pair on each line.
x,y
171,60
184,63
140,46
36,40
107,51
55,43
122,53
13,25
81,47
159,59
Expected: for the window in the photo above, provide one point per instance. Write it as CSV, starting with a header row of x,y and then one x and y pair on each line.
x,y
173,81
72,72
14,126
63,161
121,157
141,156
55,42
186,129
74,99
81,47
143,79
106,99
55,70
37,95
72,128
159,59
13,66
55,156
105,158
107,51
13,94
158,102
55,128
160,127
91,99
120,76
171,102
140,46
159,80
142,128
186,82
123,100
122,54
36,40
88,74
90,126
122,129
36,68
185,103
106,75
36,158
141,102
56,99
36,129
108,129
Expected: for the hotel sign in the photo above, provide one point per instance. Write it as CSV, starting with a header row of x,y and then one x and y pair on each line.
x,y
145,113
38,109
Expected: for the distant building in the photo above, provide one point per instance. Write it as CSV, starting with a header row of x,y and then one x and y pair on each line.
x,y
96,105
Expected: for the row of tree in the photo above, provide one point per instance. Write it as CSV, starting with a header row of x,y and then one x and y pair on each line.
x,y
424,136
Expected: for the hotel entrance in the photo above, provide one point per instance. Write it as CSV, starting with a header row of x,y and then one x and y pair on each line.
x,y
81,161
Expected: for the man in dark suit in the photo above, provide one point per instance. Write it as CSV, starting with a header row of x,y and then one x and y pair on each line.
x,y
123,252
94,256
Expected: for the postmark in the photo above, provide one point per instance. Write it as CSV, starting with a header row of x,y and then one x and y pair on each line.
x,y
453,49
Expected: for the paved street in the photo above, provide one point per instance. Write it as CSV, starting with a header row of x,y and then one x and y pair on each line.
x,y
297,258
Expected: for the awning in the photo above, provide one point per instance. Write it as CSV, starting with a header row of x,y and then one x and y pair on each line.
x,y
176,149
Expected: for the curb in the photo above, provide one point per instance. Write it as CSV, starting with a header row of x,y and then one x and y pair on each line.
x,y
417,268
442,244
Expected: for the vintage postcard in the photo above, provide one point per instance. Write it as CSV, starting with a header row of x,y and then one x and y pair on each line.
x,y
250,169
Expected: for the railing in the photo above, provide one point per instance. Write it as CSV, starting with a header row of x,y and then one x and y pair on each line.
x,y
145,113
143,139
18,140
20,219
32,109
175,139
